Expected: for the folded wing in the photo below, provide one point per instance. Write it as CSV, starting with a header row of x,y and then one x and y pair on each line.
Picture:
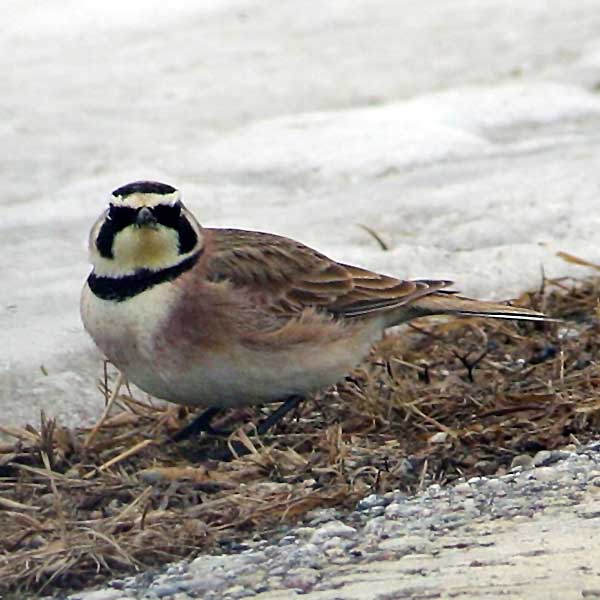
x,y
291,276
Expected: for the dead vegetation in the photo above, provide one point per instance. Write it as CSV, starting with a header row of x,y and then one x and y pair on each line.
x,y
434,402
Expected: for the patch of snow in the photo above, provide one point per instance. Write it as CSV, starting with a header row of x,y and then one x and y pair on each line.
x,y
451,125
467,135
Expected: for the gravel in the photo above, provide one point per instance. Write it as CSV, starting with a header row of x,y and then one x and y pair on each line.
x,y
451,525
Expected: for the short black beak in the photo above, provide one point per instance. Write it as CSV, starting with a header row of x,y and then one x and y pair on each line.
x,y
145,216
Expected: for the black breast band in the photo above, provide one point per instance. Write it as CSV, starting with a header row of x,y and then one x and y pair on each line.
x,y
118,289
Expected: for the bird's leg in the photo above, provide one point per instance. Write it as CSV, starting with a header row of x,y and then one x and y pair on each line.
x,y
198,425
239,449
277,415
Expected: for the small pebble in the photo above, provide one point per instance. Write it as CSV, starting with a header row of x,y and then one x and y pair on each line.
x,y
438,438
435,490
409,544
322,515
523,461
543,457
302,532
239,591
98,595
469,505
495,485
160,591
463,489
546,474
287,540
376,527
371,501
590,512
302,579
397,511
338,542
332,529
475,480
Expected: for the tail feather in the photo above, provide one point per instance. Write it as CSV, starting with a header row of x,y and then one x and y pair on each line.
x,y
441,303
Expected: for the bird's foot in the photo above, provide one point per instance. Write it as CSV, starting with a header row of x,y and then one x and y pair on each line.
x,y
200,424
236,449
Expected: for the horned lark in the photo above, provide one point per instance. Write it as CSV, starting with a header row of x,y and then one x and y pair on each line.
x,y
223,317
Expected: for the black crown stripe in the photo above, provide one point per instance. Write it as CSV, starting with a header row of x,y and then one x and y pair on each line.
x,y
144,187
118,289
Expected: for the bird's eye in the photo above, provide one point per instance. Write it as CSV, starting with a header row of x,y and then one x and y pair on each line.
x,y
168,214
121,216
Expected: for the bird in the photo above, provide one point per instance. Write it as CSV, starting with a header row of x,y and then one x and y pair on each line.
x,y
219,318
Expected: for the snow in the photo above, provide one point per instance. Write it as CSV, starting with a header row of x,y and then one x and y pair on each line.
x,y
451,125
467,135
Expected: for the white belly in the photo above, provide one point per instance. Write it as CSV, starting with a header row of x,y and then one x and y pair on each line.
x,y
240,375
246,376
125,333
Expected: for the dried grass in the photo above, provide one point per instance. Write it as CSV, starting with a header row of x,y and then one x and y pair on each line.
x,y
437,401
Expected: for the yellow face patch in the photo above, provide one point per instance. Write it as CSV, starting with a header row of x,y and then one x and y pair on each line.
x,y
146,247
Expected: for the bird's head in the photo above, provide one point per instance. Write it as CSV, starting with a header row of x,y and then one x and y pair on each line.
x,y
146,226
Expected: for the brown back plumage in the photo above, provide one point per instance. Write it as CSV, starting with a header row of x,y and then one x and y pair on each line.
x,y
289,277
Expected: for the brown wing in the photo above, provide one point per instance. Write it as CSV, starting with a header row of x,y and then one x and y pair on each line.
x,y
291,276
